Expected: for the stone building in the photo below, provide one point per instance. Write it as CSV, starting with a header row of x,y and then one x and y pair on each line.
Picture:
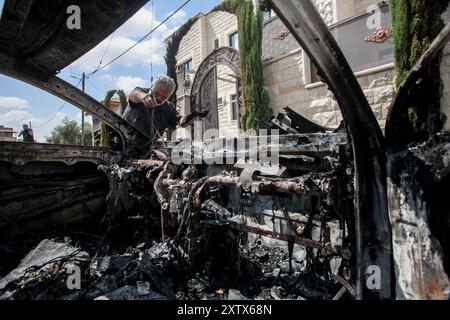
x,y
290,77
210,32
7,134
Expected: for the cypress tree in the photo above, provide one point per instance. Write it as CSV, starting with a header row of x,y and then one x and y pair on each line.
x,y
256,97
415,24
107,102
123,101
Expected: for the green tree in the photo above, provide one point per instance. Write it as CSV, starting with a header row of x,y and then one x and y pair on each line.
x,y
256,97
123,101
104,141
415,24
122,97
69,132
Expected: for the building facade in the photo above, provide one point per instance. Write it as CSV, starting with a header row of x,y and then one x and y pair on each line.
x,y
7,134
290,77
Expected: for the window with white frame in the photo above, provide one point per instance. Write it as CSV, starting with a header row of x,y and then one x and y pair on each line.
x,y
188,65
234,107
234,40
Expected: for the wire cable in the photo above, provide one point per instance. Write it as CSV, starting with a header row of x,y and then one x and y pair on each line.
x,y
142,39
54,115
151,39
104,54
94,86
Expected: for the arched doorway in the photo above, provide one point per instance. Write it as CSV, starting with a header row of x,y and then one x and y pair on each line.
x,y
216,89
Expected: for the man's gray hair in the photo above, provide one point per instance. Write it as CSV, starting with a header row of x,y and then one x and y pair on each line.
x,y
165,81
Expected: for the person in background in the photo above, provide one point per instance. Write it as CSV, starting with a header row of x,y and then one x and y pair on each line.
x,y
27,134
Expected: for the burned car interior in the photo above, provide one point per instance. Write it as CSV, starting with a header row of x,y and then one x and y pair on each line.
x,y
142,226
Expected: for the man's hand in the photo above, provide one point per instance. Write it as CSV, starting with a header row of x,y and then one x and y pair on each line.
x,y
148,100
138,96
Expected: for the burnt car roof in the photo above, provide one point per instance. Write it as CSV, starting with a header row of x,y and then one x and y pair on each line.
x,y
36,42
36,32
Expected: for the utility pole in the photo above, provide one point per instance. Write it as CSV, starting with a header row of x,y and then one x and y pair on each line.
x,y
83,78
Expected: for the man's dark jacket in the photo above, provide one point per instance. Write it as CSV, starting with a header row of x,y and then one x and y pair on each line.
x,y
164,116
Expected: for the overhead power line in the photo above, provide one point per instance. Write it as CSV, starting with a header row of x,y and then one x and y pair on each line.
x,y
95,86
142,39
54,115
151,39
104,54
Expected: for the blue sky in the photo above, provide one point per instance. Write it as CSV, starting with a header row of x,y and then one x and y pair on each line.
x,y
21,103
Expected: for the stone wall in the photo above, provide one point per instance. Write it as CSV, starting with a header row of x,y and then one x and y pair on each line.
x,y
271,46
226,86
284,79
190,46
220,25
362,5
199,41
325,8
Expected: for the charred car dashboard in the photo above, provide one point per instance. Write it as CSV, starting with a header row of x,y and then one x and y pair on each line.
x,y
307,228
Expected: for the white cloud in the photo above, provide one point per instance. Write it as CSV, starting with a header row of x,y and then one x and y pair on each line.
x,y
128,35
107,77
179,18
14,103
128,83
56,120
14,116
139,55
140,24
42,129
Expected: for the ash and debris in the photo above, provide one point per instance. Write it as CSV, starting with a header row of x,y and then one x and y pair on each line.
x,y
435,154
156,273
169,233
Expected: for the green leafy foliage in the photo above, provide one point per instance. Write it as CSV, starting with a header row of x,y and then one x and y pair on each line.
x,y
123,101
415,24
104,141
256,97
230,6
69,133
